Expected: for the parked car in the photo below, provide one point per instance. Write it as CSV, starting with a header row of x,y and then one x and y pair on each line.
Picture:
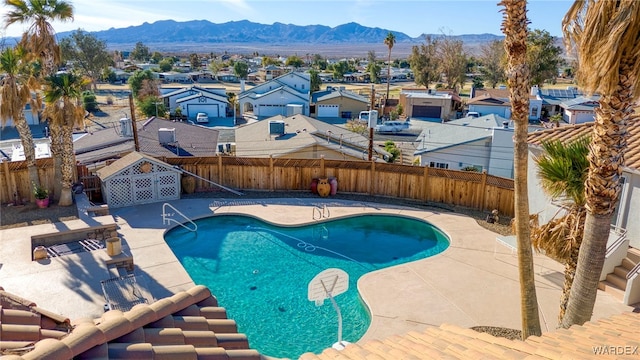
x,y
202,118
392,126
473,114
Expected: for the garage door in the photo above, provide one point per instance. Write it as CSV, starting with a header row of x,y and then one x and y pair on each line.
x,y
210,109
426,111
328,111
269,110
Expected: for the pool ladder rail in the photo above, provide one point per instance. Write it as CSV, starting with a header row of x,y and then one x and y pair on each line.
x,y
167,218
321,212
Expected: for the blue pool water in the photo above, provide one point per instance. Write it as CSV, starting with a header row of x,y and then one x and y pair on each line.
x,y
260,272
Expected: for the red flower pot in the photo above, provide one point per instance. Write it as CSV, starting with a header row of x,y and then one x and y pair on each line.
x,y
42,203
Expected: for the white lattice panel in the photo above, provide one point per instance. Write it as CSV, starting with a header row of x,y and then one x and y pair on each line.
x,y
168,186
119,191
143,188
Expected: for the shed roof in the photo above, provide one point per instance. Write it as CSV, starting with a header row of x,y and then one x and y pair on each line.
x,y
130,159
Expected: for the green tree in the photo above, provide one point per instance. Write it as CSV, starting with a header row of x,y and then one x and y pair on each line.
x,y
194,60
319,62
339,69
89,101
108,75
514,27
478,82
266,61
156,57
543,56
315,81
88,54
136,81
15,93
165,65
40,38
493,61
140,52
605,35
63,106
394,152
424,64
241,69
562,170
390,40
215,66
372,67
294,61
152,106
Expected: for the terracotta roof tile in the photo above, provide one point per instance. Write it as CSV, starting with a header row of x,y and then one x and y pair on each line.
x,y
187,325
572,132
453,342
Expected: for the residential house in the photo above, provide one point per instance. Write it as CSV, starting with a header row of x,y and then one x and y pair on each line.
x,y
275,97
32,117
301,137
175,77
156,137
624,240
336,102
483,143
195,99
579,110
270,72
428,103
496,101
552,98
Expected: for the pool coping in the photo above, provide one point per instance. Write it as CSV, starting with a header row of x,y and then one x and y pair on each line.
x,y
473,282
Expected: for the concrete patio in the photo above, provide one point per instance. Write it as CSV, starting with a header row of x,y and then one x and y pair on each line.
x,y
474,282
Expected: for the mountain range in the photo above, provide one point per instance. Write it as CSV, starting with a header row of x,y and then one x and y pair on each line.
x,y
238,32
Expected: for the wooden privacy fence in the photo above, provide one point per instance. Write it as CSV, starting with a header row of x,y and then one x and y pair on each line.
x,y
470,189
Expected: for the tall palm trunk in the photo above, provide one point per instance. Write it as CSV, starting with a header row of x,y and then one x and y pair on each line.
x,y
66,166
571,265
386,100
514,27
55,132
29,148
606,158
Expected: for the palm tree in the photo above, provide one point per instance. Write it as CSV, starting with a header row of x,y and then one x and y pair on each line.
x,y
514,27
390,40
64,108
40,42
605,35
562,169
15,93
40,38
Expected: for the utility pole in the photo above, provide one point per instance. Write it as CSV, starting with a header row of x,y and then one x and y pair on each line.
x,y
133,123
371,108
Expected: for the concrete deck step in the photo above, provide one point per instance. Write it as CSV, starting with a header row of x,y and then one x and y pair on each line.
x,y
627,263
617,280
621,271
612,289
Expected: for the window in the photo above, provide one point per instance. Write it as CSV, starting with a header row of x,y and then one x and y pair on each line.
x,y
439,165
302,86
534,111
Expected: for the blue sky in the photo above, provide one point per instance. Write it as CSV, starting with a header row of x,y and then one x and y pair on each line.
x,y
455,17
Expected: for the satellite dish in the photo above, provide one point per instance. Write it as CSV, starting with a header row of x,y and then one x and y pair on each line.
x,y
327,284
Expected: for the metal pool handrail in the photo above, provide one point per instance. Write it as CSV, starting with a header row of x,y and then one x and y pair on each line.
x,y
167,218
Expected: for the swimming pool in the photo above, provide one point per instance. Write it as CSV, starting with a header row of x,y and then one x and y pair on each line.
x,y
260,272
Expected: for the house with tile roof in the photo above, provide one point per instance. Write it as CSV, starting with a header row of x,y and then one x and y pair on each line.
x,y
336,102
302,137
277,96
187,325
625,232
484,143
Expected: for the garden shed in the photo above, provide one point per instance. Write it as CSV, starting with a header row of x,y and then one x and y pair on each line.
x,y
139,179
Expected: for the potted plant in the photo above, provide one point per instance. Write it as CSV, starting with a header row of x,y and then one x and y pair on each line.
x,y
42,196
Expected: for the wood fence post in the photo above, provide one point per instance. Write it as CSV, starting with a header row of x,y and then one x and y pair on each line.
x,y
271,177
372,174
11,184
322,169
425,179
219,169
483,193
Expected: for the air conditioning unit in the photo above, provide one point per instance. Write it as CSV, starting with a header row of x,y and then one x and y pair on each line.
x,y
166,136
126,128
276,127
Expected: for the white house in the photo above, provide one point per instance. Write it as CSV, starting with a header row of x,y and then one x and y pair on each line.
x,y
496,101
273,97
625,231
214,105
171,96
33,118
579,110
483,143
